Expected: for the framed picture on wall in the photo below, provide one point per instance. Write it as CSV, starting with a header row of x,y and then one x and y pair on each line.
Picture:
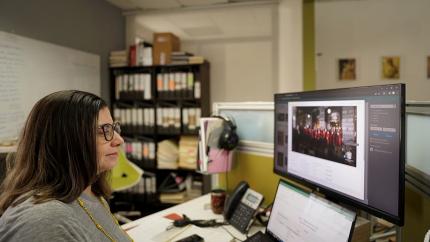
x,y
390,67
428,67
347,69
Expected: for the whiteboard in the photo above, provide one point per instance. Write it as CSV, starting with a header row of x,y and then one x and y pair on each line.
x,y
31,69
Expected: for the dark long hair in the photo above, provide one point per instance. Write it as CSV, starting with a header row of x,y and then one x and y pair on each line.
x,y
56,156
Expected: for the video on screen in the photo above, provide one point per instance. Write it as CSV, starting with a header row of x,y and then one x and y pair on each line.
x,y
326,132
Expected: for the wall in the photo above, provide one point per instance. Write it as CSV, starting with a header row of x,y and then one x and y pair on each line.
x,y
243,68
92,26
367,30
308,45
290,42
258,170
249,68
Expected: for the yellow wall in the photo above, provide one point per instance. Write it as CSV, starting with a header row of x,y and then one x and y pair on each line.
x,y
257,171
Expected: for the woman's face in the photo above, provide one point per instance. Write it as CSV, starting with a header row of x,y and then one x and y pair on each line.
x,y
107,151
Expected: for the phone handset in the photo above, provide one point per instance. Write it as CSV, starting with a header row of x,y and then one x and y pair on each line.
x,y
234,199
241,206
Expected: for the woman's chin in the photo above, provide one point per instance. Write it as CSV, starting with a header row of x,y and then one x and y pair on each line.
x,y
108,163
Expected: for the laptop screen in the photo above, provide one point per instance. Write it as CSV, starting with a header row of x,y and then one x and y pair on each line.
x,y
300,216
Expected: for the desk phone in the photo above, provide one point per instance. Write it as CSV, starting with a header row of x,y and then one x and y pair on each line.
x,y
242,206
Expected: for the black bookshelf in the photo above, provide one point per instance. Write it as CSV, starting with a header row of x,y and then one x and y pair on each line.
x,y
128,91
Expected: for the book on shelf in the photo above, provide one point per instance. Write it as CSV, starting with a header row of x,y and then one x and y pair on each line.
x,y
180,57
196,60
178,197
180,53
179,62
118,58
118,53
132,55
140,54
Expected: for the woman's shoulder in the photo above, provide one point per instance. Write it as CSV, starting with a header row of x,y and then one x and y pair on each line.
x,y
50,209
30,220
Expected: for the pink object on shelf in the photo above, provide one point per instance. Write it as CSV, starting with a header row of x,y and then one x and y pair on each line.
x,y
219,160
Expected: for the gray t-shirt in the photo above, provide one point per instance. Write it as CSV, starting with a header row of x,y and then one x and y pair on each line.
x,y
58,221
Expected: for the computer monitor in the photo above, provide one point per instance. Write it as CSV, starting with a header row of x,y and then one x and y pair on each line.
x,y
348,143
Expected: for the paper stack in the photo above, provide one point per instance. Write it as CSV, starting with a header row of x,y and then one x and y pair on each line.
x,y
188,152
167,155
179,57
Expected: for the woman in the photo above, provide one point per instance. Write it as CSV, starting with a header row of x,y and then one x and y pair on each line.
x,y
57,187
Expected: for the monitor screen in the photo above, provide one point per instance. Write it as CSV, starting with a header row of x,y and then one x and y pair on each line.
x,y
349,143
300,216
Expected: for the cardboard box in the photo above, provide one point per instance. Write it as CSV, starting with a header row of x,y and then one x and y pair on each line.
x,y
164,44
361,230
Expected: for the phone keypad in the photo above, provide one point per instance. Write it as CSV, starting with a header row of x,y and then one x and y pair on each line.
x,y
241,217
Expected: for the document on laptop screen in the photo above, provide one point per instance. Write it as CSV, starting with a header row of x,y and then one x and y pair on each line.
x,y
298,216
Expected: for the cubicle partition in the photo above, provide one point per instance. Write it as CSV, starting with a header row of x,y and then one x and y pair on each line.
x,y
418,147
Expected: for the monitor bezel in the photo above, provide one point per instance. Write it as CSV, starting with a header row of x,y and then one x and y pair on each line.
x,y
340,197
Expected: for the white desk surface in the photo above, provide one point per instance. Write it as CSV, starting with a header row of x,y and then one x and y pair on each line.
x,y
152,228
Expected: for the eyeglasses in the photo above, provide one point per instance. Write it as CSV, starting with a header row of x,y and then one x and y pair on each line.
x,y
110,129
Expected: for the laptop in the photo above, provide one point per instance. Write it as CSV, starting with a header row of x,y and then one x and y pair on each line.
x,y
299,216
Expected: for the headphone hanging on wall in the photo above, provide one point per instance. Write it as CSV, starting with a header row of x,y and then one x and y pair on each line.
x,y
228,139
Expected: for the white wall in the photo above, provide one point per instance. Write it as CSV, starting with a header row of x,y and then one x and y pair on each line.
x,y
249,68
240,70
290,42
367,30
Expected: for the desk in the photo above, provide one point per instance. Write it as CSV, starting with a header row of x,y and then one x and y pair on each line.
x,y
152,228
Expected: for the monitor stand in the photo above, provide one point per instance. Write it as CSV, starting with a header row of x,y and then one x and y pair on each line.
x,y
397,231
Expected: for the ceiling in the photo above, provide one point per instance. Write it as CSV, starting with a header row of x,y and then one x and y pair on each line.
x,y
203,19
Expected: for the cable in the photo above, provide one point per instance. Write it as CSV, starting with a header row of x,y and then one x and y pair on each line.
x,y
199,222
234,237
